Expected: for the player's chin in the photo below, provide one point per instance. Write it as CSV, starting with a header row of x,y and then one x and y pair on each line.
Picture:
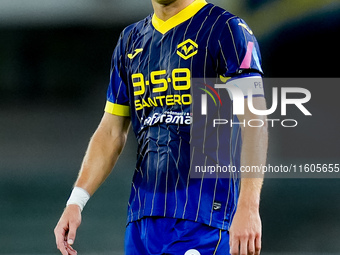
x,y
165,2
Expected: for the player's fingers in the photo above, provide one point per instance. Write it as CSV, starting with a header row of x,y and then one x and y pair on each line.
x,y
243,246
70,250
71,236
59,233
69,246
258,245
251,246
62,249
234,246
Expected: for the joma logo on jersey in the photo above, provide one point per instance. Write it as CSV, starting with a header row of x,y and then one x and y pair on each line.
x,y
135,53
187,49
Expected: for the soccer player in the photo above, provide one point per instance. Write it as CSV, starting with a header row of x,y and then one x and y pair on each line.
x,y
153,76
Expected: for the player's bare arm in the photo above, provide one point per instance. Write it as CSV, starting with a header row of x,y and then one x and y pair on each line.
x,y
103,151
245,231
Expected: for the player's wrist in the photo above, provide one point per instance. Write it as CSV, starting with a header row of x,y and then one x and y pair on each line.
x,y
79,196
250,201
251,204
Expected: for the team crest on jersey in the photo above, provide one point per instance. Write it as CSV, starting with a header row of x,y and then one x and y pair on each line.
x,y
187,49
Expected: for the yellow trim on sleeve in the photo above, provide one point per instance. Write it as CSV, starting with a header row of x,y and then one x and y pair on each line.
x,y
117,109
182,16
224,79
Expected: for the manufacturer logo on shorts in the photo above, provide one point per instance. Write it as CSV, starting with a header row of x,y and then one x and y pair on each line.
x,y
217,206
192,252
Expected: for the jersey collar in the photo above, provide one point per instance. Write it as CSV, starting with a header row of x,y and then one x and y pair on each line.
x,y
185,14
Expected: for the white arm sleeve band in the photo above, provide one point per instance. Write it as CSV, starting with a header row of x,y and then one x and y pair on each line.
x,y
244,86
78,197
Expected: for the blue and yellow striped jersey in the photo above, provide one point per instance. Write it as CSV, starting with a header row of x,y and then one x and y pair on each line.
x,y
153,68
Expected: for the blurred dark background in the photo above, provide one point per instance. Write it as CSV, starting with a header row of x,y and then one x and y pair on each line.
x,y
54,70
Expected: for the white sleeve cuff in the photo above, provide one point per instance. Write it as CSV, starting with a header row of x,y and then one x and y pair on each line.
x,y
251,85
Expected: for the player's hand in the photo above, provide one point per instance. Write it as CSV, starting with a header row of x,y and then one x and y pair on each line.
x,y
245,232
65,231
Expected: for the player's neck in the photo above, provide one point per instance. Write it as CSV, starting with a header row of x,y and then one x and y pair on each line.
x,y
165,12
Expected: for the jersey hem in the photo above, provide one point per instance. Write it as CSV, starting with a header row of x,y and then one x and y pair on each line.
x,y
190,217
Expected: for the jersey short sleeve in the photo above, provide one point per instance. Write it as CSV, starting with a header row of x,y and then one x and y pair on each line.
x,y
117,95
240,52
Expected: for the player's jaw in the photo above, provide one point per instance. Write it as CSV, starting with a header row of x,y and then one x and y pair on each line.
x,y
165,2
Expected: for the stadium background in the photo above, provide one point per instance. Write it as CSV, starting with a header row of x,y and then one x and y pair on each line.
x,y
54,69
